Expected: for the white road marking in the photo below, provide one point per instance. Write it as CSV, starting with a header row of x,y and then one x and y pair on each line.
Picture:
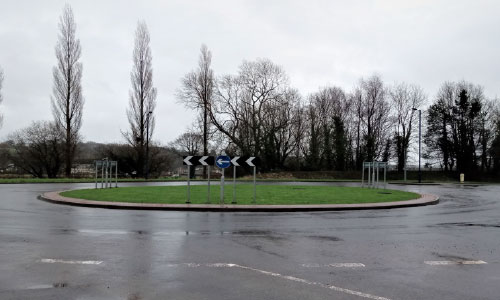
x,y
335,265
40,286
73,262
291,278
452,262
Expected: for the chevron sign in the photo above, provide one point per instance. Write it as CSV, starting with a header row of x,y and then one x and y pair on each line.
x,y
242,161
198,160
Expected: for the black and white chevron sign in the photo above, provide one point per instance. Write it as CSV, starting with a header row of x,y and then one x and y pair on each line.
x,y
244,161
198,160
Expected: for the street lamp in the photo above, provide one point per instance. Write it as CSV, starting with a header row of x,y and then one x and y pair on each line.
x,y
419,143
147,144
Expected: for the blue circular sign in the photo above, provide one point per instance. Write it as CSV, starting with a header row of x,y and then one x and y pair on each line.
x,y
223,161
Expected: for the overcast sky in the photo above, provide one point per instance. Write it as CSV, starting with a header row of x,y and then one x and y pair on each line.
x,y
318,43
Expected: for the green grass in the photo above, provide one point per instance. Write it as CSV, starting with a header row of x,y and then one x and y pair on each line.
x,y
266,194
163,179
82,180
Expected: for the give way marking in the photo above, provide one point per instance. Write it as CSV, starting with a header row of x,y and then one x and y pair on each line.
x,y
286,277
454,262
335,265
72,262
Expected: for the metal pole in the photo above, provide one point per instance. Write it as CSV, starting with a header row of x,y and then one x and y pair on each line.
x,y
419,144
363,175
222,187
234,185
404,164
102,174
378,173
254,185
189,185
107,174
385,176
116,174
208,195
369,174
96,174
373,175
110,175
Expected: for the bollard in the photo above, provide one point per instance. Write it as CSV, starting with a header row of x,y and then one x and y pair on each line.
x,y
462,177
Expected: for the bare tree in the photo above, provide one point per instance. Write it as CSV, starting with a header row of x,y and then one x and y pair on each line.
x,y
67,99
37,149
243,103
404,97
1,97
188,143
197,90
142,99
376,116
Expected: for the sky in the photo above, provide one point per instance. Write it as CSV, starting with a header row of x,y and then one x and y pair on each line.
x,y
318,44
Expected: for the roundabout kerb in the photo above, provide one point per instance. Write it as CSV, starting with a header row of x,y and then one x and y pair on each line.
x,y
56,197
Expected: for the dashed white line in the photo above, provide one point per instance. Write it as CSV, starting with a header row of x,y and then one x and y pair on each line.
x,y
453,262
291,278
335,265
73,262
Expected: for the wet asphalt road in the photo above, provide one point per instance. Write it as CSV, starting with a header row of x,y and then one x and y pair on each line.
x,y
131,254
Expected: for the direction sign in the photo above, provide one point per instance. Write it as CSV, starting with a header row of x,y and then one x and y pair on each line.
x,y
223,161
193,160
243,161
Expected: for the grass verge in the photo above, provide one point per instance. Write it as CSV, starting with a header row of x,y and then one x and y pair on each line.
x,y
266,194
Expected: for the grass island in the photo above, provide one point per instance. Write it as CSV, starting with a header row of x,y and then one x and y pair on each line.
x,y
266,194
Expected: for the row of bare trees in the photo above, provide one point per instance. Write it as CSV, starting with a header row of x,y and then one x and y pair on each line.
x,y
257,112
44,148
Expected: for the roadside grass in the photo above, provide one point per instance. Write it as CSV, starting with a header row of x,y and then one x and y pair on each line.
x,y
266,194
163,179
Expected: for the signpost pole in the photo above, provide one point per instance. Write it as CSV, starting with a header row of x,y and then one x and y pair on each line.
x,y
254,184
208,195
102,174
234,185
222,187
363,175
369,175
373,175
96,174
385,176
189,185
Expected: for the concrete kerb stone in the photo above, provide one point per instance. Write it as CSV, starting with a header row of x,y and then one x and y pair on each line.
x,y
55,197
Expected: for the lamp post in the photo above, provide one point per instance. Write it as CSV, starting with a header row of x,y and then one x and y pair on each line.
x,y
419,143
147,144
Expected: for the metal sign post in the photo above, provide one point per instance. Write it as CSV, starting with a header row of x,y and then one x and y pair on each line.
x,y
252,161
187,161
222,187
208,195
374,174
106,173
235,164
116,174
96,166
193,161
223,162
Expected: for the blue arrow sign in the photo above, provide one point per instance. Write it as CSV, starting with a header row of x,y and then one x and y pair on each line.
x,y
223,161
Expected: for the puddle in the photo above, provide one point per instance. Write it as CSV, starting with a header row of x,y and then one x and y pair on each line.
x,y
60,284
252,232
463,224
325,238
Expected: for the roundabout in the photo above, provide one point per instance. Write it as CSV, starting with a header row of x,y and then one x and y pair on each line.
x,y
269,198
